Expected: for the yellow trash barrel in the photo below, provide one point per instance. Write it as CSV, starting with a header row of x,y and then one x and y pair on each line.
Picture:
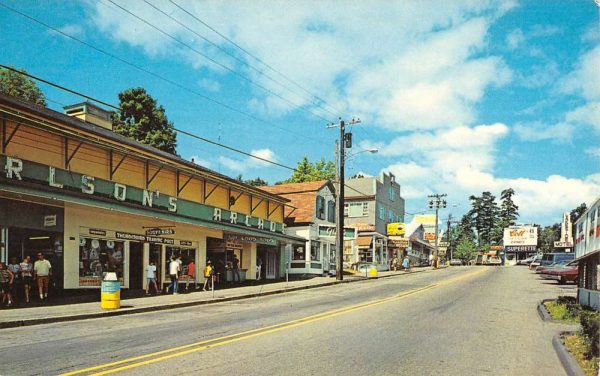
x,y
110,292
372,272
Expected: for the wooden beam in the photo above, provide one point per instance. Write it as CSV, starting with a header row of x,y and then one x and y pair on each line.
x,y
6,141
275,208
254,208
146,171
206,196
70,157
3,136
66,152
290,213
182,187
153,176
112,171
229,198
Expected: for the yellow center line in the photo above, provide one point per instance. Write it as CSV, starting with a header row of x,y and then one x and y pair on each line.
x,y
174,352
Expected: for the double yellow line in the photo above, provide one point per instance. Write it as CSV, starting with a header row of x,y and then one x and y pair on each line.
x,y
160,356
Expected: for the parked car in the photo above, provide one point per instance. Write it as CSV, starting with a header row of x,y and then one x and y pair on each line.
x,y
553,258
542,268
563,273
494,260
455,262
526,261
537,259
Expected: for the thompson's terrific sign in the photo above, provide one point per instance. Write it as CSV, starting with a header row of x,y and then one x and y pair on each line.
x,y
520,236
75,184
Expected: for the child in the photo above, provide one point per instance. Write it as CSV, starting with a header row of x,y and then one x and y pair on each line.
x,y
208,273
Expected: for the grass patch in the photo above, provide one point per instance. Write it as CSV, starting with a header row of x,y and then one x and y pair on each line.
x,y
561,312
579,347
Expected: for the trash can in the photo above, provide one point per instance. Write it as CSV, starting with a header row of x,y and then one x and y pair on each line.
x,y
110,295
373,272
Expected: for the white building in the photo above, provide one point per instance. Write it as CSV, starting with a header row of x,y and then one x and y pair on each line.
x,y
587,251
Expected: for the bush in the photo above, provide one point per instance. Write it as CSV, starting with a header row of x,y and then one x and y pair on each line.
x,y
590,327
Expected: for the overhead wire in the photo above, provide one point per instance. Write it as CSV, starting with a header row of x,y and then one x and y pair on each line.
x,y
241,61
221,65
251,55
156,75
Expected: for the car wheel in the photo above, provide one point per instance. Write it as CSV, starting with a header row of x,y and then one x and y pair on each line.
x,y
561,281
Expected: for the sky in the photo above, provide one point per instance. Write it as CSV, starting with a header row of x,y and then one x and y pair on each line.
x,y
458,97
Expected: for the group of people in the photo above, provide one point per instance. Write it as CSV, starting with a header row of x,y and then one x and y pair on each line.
x,y
395,263
16,277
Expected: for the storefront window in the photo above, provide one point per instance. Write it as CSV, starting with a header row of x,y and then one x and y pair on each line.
x,y
299,253
315,251
97,257
188,255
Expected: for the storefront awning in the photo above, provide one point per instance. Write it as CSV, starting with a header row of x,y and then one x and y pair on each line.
x,y
149,213
364,241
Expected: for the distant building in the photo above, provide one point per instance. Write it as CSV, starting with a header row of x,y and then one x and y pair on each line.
x,y
587,251
371,203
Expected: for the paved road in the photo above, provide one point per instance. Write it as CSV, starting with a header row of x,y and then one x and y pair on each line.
x,y
458,321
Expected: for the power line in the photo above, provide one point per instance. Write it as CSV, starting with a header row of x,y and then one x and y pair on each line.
x,y
199,53
118,109
156,75
262,72
250,54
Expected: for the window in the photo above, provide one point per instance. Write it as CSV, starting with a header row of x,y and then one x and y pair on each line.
x,y
320,207
358,209
315,251
98,256
331,211
299,253
392,193
381,212
392,216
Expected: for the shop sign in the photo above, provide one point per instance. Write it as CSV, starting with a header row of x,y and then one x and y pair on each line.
x,y
73,183
364,227
520,248
429,236
185,243
143,238
249,239
95,231
396,229
331,231
496,247
397,242
520,236
160,231
563,245
50,220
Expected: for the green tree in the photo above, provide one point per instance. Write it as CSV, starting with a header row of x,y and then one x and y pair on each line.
x,y
142,119
306,171
507,215
464,229
20,86
466,250
484,214
256,182
547,236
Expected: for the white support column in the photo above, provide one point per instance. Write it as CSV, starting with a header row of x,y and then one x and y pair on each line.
x,y
145,262
4,244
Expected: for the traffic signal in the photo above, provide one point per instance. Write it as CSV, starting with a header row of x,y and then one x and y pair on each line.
x,y
444,204
430,204
348,140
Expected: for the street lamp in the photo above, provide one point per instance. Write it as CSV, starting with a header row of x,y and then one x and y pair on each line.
x,y
372,151
437,201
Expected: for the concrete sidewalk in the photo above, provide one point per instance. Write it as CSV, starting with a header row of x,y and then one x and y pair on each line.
x,y
11,318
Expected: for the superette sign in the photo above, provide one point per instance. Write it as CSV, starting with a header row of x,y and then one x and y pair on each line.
x,y
520,236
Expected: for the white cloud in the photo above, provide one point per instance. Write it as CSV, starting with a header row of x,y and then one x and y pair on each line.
x,y
586,114
595,152
537,131
267,154
210,85
243,166
515,39
232,164
585,80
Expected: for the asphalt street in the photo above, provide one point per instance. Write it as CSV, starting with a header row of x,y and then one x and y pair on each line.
x,y
457,321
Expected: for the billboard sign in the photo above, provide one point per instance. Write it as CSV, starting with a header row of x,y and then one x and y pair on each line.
x,y
396,229
520,236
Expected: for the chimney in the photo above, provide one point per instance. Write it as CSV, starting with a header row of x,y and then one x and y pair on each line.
x,y
90,113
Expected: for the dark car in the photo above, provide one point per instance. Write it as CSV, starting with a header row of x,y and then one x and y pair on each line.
x,y
564,273
555,258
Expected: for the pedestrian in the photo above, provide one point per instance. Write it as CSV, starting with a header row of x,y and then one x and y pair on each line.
x,y
258,268
406,263
191,274
208,276
26,271
174,269
6,283
14,267
431,259
395,262
236,268
151,277
42,271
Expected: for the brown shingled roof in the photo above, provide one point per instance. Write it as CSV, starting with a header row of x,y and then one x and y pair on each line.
x,y
302,196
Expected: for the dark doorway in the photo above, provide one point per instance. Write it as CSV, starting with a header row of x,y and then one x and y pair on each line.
x,y
155,255
136,265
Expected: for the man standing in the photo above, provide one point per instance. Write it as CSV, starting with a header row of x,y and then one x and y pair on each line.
x,y
174,269
42,270
236,268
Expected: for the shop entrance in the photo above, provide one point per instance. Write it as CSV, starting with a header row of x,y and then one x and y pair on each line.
x,y
268,258
136,265
155,256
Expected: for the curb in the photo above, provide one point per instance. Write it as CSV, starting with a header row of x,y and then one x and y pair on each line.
x,y
567,360
129,311
543,312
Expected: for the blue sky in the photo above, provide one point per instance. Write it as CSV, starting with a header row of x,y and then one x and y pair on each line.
x,y
458,97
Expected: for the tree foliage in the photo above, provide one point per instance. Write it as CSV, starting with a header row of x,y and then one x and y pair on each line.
x,y
484,214
466,250
142,119
307,171
256,182
547,236
20,86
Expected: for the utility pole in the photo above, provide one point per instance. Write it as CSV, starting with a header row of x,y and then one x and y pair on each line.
x,y
436,201
448,237
344,142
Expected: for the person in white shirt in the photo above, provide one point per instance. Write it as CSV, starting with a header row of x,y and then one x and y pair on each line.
x,y
174,269
151,277
42,270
